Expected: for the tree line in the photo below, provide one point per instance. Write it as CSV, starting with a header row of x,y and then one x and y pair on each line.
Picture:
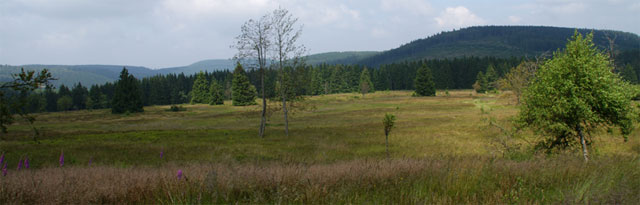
x,y
304,80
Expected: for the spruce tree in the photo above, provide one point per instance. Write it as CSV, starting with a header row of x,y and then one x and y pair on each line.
x,y
127,96
491,78
366,86
480,86
424,82
216,92
243,93
200,91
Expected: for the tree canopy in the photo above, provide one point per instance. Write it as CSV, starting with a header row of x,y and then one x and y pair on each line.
x,y
574,94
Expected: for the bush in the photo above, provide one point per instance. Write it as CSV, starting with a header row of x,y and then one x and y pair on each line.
x,y
176,108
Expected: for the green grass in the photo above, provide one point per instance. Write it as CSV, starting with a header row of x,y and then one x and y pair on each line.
x,y
442,148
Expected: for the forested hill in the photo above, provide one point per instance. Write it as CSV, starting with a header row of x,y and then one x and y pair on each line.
x,y
497,41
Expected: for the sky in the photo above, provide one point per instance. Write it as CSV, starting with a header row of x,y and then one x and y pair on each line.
x,y
167,33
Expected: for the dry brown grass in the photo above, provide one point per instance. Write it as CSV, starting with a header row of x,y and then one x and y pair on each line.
x,y
449,180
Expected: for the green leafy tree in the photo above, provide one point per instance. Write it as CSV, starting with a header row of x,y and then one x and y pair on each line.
x,y
518,78
200,91
23,83
424,82
243,93
366,86
216,92
127,96
388,122
574,94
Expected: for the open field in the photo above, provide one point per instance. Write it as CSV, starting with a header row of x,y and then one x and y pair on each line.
x,y
442,150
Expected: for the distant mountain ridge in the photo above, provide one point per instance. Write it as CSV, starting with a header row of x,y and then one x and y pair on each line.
x,y
479,41
497,41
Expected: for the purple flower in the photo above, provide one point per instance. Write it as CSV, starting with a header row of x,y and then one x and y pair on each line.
x,y
61,158
179,174
161,153
19,164
90,159
2,159
26,162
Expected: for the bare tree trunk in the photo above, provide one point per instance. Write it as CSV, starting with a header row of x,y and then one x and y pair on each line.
x,y
283,91
263,121
286,120
387,142
585,154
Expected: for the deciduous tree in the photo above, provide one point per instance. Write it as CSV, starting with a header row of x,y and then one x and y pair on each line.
x,y
574,94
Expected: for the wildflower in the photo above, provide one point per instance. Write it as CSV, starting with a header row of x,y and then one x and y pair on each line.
x,y
179,174
26,162
19,164
90,159
161,153
61,158
2,159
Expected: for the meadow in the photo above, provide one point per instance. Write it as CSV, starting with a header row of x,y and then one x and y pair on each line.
x,y
444,149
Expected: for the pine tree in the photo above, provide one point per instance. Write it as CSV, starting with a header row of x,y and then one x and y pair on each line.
x,y
127,96
216,92
424,82
243,93
52,99
366,86
200,91
491,78
316,82
79,97
481,83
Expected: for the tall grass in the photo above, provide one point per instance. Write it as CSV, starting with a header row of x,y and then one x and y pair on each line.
x,y
429,180
443,150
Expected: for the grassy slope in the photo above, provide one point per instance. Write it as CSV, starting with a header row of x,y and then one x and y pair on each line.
x,y
442,151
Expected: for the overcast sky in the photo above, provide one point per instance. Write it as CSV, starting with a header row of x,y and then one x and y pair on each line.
x,y
165,33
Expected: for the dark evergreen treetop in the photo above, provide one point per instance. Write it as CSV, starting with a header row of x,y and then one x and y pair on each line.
x,y
243,93
200,91
424,82
216,92
126,96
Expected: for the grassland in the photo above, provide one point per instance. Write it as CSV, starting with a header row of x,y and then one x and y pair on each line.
x,y
443,150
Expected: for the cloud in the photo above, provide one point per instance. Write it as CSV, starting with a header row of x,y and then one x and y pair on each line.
x,y
514,19
416,7
456,17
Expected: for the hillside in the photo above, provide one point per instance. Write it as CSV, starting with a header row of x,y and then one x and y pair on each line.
x,y
347,57
100,74
497,41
